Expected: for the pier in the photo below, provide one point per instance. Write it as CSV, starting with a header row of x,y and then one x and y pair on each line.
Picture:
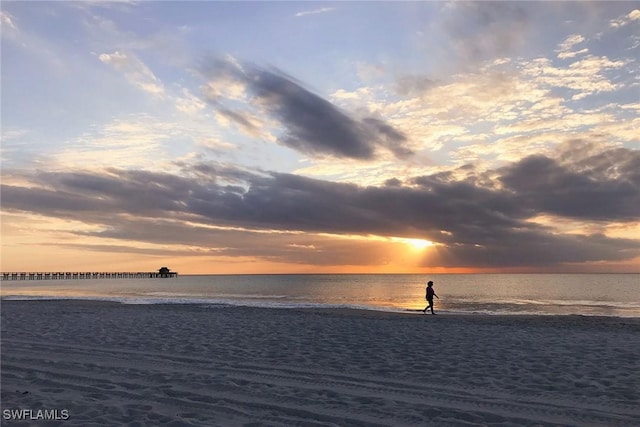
x,y
163,273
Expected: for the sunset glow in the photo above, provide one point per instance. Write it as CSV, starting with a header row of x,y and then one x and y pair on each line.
x,y
258,137
418,244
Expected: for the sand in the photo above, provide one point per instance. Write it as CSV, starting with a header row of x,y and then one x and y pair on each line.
x,y
191,365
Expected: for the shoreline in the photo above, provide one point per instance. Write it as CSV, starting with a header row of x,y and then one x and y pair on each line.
x,y
503,294
113,364
142,301
585,320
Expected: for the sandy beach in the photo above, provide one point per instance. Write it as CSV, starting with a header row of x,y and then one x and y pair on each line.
x,y
91,363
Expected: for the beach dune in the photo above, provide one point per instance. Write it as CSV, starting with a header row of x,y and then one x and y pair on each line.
x,y
115,364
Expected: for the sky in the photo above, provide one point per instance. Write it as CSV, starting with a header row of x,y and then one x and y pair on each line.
x,y
320,137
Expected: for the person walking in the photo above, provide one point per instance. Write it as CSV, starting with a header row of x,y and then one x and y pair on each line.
x,y
430,293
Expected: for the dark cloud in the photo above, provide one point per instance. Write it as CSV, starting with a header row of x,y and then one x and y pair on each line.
x,y
312,124
389,137
286,247
486,30
476,224
539,249
605,187
240,119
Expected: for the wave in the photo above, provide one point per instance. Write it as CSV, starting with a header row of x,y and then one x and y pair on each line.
x,y
449,306
221,296
207,302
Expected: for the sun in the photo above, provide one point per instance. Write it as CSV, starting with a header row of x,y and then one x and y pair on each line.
x,y
418,244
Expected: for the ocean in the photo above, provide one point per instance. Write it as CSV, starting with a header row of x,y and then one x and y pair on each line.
x,y
533,294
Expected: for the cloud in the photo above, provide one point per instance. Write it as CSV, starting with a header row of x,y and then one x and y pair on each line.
x,y
188,103
477,218
622,21
6,22
312,125
134,70
170,238
507,109
412,84
314,12
249,124
565,49
134,141
588,194
480,31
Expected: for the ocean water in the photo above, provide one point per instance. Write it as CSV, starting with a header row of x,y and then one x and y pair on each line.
x,y
539,294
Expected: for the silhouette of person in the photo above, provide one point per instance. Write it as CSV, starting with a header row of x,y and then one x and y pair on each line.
x,y
429,296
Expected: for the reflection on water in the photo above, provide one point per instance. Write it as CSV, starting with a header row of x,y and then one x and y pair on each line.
x,y
587,294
